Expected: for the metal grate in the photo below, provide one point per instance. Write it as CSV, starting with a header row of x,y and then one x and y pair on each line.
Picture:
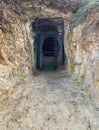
x,y
48,47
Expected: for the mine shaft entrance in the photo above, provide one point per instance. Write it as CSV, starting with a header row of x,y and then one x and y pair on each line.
x,y
49,42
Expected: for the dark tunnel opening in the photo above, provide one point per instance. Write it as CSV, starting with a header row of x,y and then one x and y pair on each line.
x,y
49,42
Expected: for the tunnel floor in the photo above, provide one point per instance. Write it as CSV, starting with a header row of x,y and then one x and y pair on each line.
x,y
49,101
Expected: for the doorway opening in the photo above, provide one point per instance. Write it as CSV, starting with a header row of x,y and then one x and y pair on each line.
x,y
49,42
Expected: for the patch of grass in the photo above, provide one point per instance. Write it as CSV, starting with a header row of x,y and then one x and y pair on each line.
x,y
48,67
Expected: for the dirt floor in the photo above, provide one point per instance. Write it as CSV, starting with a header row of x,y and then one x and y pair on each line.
x,y
49,101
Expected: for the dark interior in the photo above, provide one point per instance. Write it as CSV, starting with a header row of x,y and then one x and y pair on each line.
x,y
47,28
48,47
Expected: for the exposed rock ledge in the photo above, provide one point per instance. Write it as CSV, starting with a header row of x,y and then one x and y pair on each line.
x,y
83,47
14,51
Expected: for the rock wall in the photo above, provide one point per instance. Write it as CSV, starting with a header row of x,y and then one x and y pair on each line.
x,y
15,55
83,47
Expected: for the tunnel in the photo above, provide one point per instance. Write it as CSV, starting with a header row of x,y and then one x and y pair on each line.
x,y
49,42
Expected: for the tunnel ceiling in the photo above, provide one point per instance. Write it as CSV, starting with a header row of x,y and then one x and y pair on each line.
x,y
47,24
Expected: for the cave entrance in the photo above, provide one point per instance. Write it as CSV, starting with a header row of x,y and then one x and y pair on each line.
x,y
49,42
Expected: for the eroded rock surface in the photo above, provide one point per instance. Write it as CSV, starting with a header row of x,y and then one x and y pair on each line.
x,y
15,55
83,46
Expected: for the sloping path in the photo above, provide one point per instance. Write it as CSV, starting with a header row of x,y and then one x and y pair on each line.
x,y
49,101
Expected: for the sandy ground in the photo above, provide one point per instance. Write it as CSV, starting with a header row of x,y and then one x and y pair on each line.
x,y
49,101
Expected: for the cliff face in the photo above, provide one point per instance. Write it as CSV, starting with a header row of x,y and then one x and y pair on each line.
x,y
15,55
83,47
